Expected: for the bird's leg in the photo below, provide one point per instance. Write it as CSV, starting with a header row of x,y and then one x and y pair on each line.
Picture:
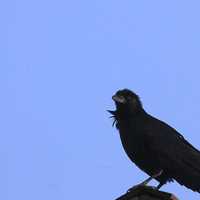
x,y
151,177
141,184
159,186
144,183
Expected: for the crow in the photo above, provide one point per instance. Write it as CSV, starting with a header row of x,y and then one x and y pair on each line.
x,y
154,146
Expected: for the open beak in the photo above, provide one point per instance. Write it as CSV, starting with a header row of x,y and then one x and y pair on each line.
x,y
119,99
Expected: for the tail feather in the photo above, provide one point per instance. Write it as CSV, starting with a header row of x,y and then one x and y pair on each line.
x,y
188,174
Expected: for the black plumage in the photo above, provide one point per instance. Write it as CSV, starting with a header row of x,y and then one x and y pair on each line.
x,y
154,146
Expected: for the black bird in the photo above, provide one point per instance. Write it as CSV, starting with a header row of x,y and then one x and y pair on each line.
x,y
154,146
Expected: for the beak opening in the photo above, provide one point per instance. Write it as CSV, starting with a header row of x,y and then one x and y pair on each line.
x,y
119,99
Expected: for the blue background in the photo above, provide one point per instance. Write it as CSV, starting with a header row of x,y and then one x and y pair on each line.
x,y
61,61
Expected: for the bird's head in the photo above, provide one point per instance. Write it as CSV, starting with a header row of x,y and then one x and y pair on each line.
x,y
127,102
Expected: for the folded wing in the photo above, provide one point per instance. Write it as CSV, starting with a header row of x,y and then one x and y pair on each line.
x,y
174,155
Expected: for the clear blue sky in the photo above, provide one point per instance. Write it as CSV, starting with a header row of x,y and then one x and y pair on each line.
x,y
61,61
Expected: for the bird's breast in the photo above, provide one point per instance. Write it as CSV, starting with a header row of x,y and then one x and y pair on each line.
x,y
132,138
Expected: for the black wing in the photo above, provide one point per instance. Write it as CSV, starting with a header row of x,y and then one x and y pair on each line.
x,y
174,154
